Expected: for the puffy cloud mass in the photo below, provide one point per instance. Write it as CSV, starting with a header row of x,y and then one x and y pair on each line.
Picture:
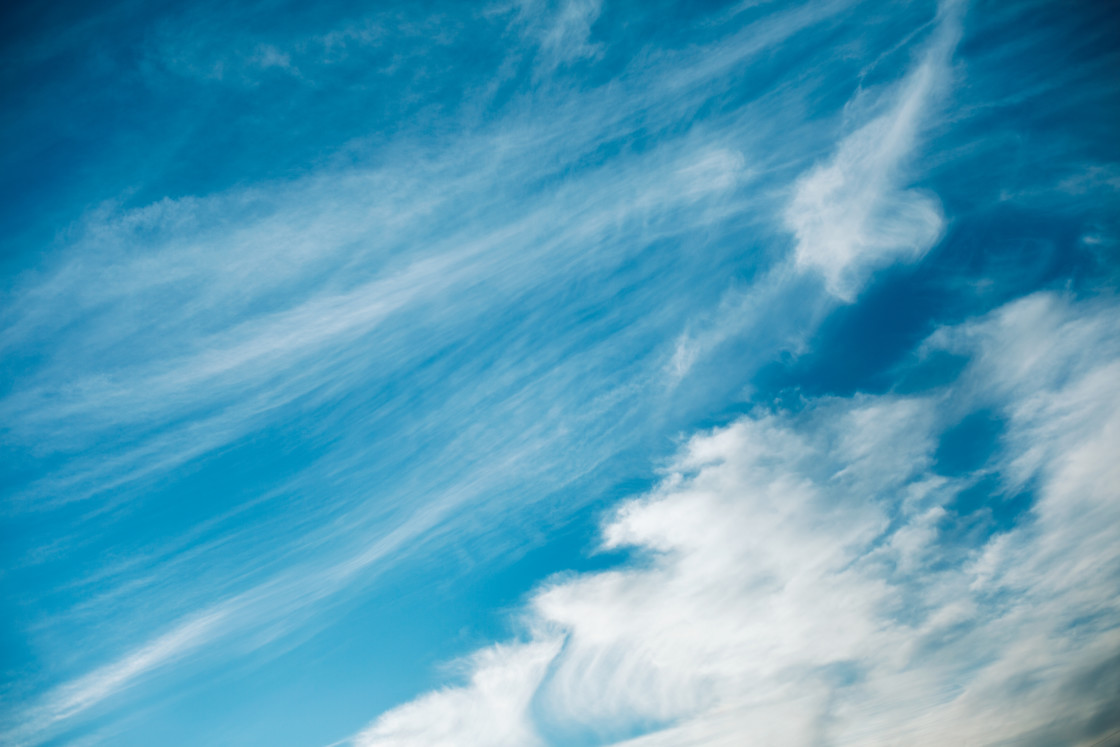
x,y
812,578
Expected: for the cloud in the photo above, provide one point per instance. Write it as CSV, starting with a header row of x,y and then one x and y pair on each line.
x,y
853,213
78,695
560,29
491,711
173,333
850,216
501,305
795,580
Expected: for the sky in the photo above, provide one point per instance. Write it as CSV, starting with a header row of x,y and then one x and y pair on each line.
x,y
538,373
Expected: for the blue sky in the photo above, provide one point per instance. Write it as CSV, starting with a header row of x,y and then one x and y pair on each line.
x,y
565,372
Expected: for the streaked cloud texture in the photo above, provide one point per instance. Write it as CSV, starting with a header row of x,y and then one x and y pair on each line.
x,y
560,373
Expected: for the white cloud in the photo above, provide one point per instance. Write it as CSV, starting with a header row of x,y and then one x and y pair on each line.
x,y
854,214
794,584
237,304
849,216
491,711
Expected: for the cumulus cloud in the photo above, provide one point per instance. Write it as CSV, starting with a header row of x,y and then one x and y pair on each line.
x,y
854,213
796,580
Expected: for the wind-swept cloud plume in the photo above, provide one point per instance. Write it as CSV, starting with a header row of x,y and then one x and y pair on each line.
x,y
161,337
854,214
797,582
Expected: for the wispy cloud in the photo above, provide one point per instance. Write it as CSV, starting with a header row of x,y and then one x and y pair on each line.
x,y
161,336
560,30
854,214
230,415
850,215
797,586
